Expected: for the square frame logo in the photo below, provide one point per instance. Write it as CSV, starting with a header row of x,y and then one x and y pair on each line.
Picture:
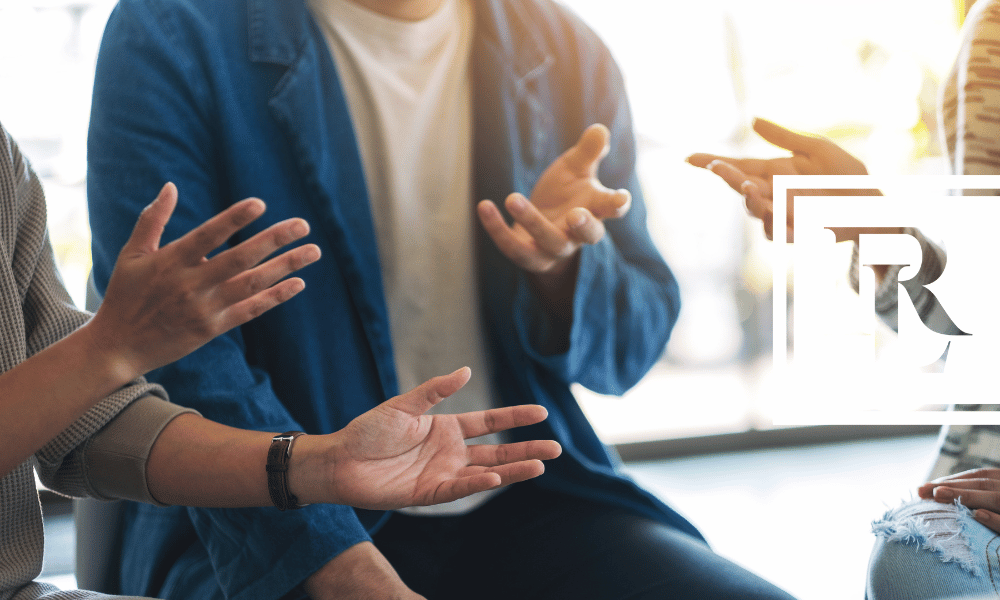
x,y
827,366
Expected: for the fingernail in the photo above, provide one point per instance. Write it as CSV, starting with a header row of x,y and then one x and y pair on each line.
x,y
943,493
981,515
519,202
711,166
747,187
576,218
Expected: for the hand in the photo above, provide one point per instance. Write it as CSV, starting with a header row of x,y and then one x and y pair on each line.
x,y
811,155
163,303
979,490
567,207
358,573
394,455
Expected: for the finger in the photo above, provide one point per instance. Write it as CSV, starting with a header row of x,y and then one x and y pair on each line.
x,y
733,176
983,473
584,228
421,398
988,518
768,221
256,305
755,202
751,166
152,221
475,424
970,498
260,278
213,233
521,253
491,456
460,487
592,146
548,238
926,491
786,138
238,259
495,225
610,204
519,471
702,159
968,484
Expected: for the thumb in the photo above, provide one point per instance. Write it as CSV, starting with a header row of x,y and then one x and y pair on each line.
x,y
589,149
785,138
152,221
421,398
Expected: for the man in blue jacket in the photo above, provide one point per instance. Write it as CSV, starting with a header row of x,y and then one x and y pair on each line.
x,y
382,122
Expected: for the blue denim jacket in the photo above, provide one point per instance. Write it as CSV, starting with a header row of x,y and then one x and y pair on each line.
x,y
237,98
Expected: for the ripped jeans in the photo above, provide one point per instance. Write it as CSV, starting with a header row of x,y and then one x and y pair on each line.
x,y
930,551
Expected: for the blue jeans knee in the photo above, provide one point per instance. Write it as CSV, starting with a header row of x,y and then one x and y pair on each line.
x,y
930,551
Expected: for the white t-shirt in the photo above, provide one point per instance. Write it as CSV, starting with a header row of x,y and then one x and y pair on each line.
x,y
408,87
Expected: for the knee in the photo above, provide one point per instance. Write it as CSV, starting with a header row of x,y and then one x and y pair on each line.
x,y
927,550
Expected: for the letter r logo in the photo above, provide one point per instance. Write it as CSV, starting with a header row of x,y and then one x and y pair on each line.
x,y
896,251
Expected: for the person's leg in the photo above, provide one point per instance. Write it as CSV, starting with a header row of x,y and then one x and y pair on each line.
x,y
422,550
529,543
930,551
192,576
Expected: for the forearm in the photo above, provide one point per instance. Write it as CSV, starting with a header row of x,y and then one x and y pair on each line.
x,y
555,293
360,571
46,393
198,462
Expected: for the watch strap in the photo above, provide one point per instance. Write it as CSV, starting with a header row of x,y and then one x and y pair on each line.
x,y
278,456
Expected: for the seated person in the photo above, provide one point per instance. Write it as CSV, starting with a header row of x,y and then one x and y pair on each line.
x,y
385,123
932,548
76,407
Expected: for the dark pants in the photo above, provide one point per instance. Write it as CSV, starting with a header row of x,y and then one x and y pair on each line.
x,y
532,543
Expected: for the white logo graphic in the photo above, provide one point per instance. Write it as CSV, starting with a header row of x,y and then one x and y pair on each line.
x,y
827,368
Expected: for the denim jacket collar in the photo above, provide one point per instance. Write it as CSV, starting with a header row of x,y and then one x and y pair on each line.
x,y
277,31
309,104
506,30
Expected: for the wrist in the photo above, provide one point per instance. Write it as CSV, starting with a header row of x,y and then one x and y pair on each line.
x,y
559,279
311,469
360,571
105,354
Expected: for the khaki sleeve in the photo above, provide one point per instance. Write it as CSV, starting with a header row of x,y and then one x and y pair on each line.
x,y
115,458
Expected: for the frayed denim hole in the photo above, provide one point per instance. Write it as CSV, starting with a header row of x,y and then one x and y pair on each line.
x,y
939,528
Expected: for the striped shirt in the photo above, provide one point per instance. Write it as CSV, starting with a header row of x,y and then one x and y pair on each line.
x,y
87,458
969,111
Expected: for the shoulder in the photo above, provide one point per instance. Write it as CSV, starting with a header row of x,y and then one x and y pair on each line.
x,y
174,21
557,24
16,176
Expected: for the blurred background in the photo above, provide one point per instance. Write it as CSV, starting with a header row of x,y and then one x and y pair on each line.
x,y
698,428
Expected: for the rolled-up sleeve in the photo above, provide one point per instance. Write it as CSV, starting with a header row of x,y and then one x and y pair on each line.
x,y
115,459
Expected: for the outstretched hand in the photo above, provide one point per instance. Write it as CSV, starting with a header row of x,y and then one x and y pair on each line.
x,y
163,303
395,455
978,489
566,210
753,177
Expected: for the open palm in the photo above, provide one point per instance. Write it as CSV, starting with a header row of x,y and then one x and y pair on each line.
x,y
753,177
566,210
395,455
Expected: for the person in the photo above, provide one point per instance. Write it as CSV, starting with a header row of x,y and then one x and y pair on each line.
x,y
76,407
955,519
380,121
